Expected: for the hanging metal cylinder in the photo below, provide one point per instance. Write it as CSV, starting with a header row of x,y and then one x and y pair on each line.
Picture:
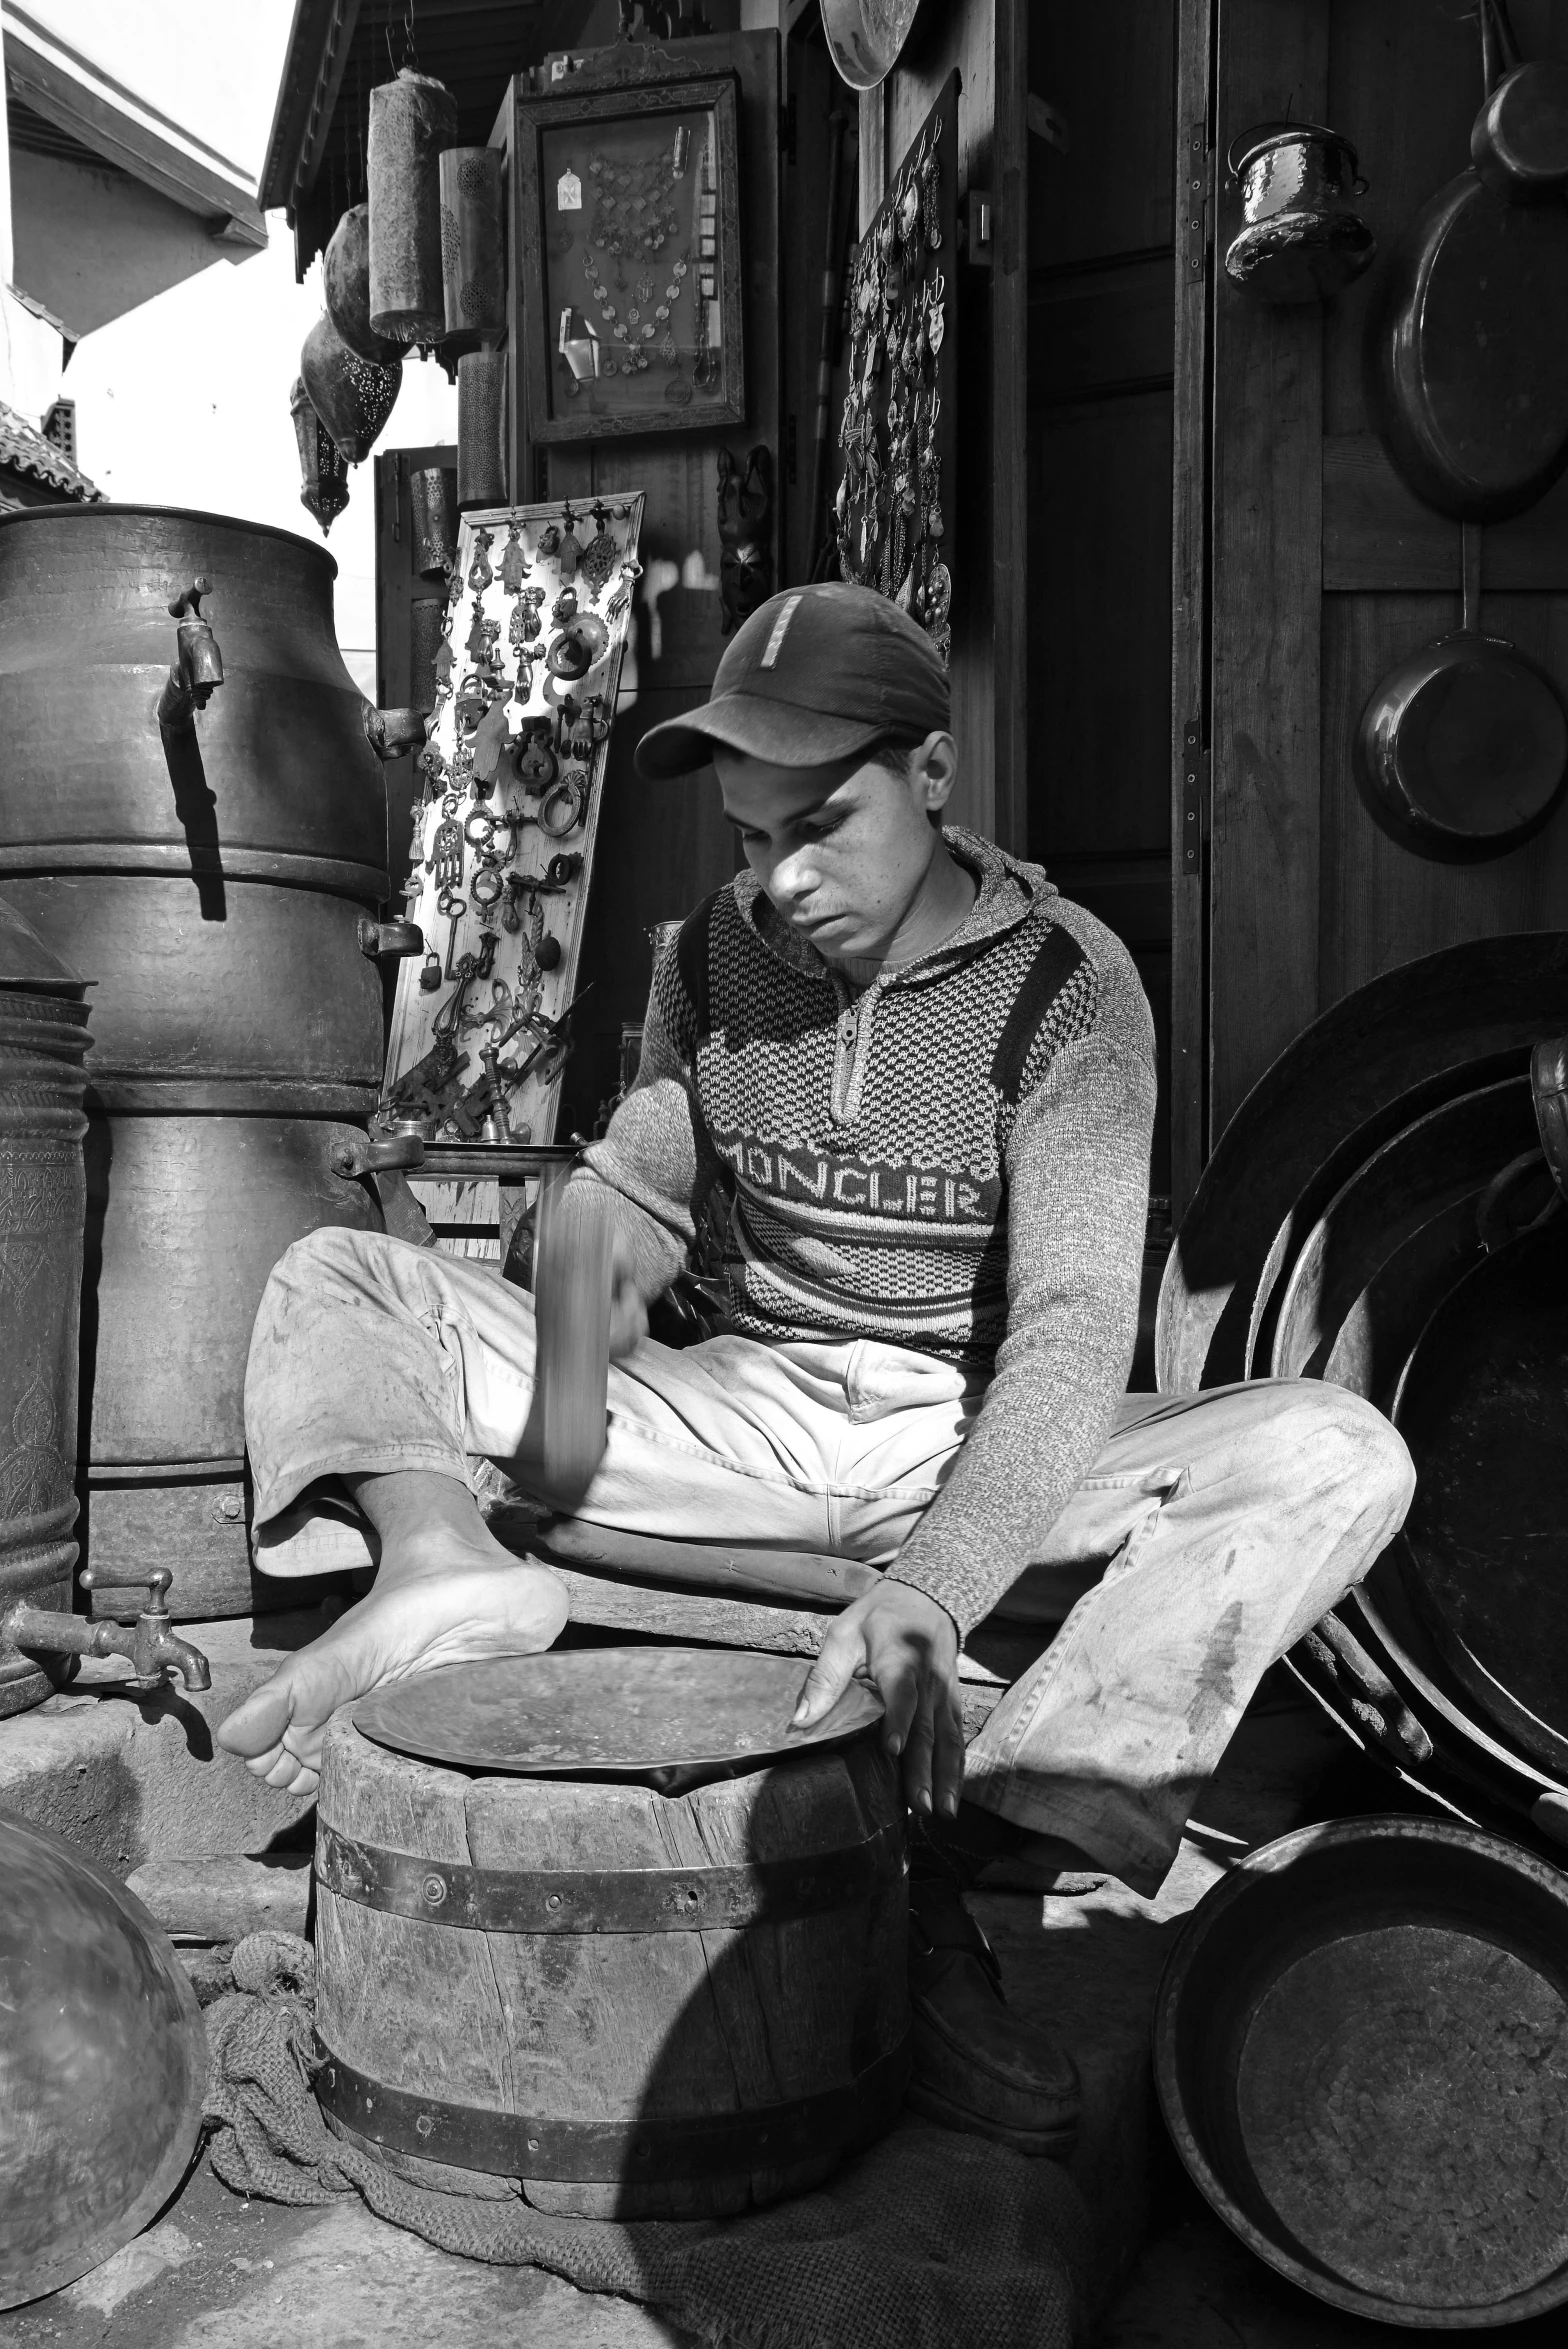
x,y
432,499
473,240
425,618
411,120
481,414
43,1206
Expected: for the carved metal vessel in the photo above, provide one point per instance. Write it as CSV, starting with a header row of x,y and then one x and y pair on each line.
x,y
43,1197
210,839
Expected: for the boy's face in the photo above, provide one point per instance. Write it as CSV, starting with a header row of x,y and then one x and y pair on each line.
x,y
840,850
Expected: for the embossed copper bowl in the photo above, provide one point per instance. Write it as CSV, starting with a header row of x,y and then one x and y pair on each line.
x,y
1361,2052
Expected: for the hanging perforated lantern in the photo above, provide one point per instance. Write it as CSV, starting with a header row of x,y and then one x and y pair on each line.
x,y
323,474
473,240
352,396
411,120
345,283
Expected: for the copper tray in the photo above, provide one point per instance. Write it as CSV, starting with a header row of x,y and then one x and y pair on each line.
x,y
671,1717
103,2063
1361,2052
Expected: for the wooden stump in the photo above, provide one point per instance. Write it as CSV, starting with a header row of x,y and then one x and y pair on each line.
x,y
629,2004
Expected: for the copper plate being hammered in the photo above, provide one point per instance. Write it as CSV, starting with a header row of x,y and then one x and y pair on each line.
x,y
667,1717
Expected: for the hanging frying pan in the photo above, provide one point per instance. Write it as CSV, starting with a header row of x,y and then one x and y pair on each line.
x,y
1519,143
1462,750
1466,357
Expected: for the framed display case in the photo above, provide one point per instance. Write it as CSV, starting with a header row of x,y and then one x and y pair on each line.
x,y
627,234
511,779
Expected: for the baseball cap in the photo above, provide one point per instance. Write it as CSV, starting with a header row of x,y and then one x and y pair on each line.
x,y
814,675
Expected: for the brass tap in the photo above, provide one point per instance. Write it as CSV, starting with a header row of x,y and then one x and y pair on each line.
x,y
197,668
151,1646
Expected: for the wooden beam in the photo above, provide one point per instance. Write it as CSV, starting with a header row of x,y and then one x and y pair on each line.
x,y
1010,428
1267,595
1193,265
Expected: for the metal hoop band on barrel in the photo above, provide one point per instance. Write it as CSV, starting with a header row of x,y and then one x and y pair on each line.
x,y
508,2144
601,1900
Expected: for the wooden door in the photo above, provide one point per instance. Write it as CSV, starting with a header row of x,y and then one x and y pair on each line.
x,y
1326,570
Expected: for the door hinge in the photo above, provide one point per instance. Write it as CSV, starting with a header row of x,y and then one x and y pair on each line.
x,y
1193,209
1194,785
789,125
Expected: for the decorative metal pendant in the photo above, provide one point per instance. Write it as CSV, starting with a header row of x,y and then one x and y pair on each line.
x,y
514,561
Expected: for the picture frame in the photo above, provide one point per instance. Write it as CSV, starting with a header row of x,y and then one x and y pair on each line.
x,y
627,232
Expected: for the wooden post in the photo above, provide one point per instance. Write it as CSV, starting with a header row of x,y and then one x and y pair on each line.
x,y
1190,717
1268,567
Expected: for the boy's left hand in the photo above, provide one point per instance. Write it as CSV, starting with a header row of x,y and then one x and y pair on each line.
x,y
906,1645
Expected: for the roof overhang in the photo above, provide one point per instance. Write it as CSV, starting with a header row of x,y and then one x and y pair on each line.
x,y
312,78
80,98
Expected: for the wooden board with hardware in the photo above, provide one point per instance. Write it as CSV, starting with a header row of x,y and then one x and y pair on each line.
x,y
507,818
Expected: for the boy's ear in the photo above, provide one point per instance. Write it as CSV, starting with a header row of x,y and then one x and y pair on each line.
x,y
937,759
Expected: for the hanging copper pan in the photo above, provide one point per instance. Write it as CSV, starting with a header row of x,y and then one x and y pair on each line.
x,y
1462,750
1466,357
1519,142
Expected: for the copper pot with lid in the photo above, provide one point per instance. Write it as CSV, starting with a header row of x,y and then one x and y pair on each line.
x,y
1302,238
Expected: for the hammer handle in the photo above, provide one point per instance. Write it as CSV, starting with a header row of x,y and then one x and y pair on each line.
x,y
563,1441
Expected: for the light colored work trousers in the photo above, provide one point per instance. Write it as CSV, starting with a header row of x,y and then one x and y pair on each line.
x,y
1212,1532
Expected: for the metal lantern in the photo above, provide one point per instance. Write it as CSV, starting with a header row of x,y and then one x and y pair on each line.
x,y
323,474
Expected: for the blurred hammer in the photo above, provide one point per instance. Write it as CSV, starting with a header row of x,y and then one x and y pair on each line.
x,y
563,1441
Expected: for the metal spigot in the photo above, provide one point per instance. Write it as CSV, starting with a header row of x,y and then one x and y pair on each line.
x,y
197,668
149,1643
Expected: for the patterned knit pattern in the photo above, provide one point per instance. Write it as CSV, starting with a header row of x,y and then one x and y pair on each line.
x,y
890,1222
953,1159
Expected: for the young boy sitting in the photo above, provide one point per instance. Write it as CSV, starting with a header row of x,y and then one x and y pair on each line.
x,y
925,1082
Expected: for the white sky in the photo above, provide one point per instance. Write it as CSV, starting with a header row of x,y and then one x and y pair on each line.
x,y
185,402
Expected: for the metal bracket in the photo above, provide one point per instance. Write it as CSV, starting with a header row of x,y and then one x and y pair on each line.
x,y
1194,778
1194,205
978,221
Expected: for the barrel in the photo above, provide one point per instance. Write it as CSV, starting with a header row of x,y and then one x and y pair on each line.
x,y
213,875
625,2003
43,1041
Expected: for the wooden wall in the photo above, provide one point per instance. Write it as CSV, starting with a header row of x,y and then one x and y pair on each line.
x,y
1325,570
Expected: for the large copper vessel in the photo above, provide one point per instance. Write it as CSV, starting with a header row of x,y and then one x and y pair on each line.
x,y
43,1040
193,806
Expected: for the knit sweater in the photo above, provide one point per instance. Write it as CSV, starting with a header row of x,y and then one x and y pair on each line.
x,y
953,1159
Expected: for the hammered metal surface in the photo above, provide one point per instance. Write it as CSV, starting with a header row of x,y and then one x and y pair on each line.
x,y
656,1714
1484,1409
103,2060
1403,2099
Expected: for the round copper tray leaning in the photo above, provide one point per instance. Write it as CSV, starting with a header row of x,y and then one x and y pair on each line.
x,y
103,2062
1361,2052
667,1717
1484,1552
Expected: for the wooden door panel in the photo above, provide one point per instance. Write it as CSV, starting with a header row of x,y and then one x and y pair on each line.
x,y
1107,72
1099,629
1326,569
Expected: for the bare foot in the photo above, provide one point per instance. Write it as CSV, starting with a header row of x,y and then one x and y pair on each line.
x,y
446,1593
